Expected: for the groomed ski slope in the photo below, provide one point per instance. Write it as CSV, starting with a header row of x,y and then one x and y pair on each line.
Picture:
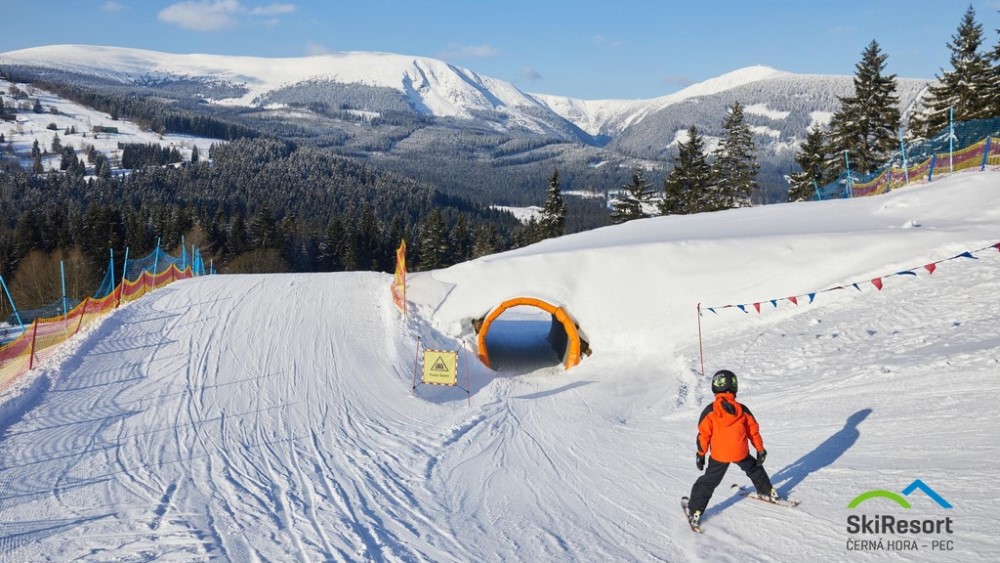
x,y
270,418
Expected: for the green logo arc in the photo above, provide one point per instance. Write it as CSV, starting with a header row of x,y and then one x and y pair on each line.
x,y
878,493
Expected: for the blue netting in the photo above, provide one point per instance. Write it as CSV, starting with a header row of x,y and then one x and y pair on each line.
x,y
156,262
964,134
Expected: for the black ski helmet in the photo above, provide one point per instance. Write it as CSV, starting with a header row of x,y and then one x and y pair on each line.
x,y
724,381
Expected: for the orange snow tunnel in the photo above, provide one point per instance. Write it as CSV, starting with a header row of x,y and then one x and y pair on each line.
x,y
564,334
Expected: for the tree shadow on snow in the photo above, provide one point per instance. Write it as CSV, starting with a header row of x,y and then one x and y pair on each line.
x,y
821,456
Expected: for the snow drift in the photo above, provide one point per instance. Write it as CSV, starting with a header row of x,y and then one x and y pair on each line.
x,y
272,417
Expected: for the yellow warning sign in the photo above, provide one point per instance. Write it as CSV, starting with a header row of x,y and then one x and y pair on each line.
x,y
440,367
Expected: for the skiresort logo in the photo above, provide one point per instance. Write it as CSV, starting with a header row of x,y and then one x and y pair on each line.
x,y
916,484
885,524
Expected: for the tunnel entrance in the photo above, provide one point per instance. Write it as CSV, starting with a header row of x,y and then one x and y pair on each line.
x,y
529,336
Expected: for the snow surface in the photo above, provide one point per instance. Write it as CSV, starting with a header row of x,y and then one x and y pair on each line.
x,y
765,111
30,127
270,417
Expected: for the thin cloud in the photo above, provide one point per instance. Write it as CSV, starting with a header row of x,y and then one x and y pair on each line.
x,y
458,51
530,73
202,16
675,80
842,30
213,15
112,6
314,49
602,41
273,10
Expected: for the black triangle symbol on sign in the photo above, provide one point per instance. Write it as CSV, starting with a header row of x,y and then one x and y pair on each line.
x,y
439,365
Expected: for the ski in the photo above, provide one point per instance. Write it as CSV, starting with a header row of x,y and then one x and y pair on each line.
x,y
749,492
687,517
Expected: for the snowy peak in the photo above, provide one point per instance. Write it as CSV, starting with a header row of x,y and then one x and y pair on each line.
x,y
430,85
610,117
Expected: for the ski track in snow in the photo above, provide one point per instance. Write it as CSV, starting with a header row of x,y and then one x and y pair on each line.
x,y
271,418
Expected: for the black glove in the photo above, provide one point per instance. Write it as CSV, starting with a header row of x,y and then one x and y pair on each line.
x,y
699,460
761,456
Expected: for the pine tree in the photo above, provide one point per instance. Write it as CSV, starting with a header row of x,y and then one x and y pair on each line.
x,y
967,89
866,124
194,154
485,241
56,144
995,57
811,158
553,219
736,164
686,188
433,241
629,206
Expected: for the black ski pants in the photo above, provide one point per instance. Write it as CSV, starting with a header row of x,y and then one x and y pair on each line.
x,y
703,488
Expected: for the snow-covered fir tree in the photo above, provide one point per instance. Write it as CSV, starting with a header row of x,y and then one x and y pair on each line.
x,y
866,124
811,158
629,206
553,219
735,165
969,88
686,188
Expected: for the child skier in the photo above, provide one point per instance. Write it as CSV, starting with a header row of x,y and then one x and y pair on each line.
x,y
723,429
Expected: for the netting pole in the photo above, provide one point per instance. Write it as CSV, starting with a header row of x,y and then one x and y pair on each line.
x,y
121,287
951,140
62,272
12,305
850,181
156,259
183,254
468,373
701,349
416,359
83,312
902,149
986,153
31,356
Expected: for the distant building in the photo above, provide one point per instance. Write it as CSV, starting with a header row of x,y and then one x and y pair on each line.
x,y
103,129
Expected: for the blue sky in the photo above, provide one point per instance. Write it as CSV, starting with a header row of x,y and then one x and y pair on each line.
x,y
582,48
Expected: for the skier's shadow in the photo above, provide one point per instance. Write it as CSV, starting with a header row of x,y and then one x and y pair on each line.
x,y
821,456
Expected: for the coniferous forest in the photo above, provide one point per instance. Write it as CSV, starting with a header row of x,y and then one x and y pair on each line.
x,y
258,205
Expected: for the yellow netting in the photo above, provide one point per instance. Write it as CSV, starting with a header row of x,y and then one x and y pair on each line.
x,y
41,339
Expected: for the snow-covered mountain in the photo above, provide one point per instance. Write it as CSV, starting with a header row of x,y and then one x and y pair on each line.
x,y
403,111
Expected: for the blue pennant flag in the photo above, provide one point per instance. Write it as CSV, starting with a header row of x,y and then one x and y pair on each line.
x,y
712,309
856,286
966,254
775,303
906,273
742,308
812,296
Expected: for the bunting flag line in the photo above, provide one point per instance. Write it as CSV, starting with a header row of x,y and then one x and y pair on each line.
x,y
878,282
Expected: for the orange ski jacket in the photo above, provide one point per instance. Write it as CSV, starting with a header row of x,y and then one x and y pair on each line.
x,y
724,428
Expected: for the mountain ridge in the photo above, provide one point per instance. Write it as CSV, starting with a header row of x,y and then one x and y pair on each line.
x,y
453,127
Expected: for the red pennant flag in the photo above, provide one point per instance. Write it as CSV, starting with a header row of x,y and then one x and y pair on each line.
x,y
997,246
757,306
930,268
794,300
877,282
